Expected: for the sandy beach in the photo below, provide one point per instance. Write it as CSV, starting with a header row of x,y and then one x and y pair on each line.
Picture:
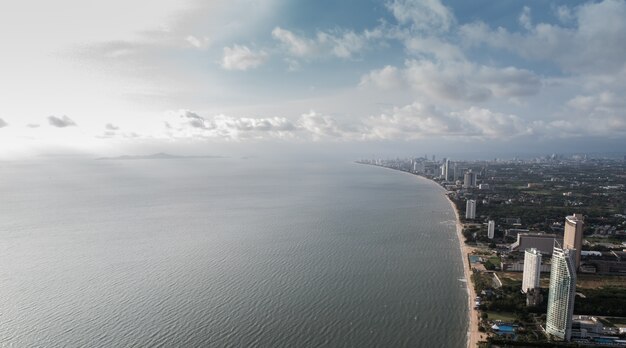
x,y
473,335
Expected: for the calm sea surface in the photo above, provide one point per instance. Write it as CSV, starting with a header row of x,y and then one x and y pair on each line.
x,y
225,253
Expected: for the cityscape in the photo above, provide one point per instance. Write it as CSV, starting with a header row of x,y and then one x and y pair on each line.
x,y
545,243
313,173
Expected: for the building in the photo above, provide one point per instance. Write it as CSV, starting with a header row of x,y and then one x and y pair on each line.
x,y
534,297
561,294
543,242
514,232
470,209
491,229
446,172
573,237
584,326
469,180
532,270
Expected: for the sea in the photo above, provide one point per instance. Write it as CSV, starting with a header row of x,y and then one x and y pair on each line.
x,y
226,252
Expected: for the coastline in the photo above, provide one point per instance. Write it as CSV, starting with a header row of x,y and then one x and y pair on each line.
x,y
473,335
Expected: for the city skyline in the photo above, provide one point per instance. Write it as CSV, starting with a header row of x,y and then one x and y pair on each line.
x,y
252,76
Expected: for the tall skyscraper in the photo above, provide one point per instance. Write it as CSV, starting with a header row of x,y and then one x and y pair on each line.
x,y
573,238
470,209
469,180
491,229
446,170
532,269
562,293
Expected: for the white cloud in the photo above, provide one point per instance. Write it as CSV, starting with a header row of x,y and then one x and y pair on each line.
x,y
564,14
387,78
422,15
3,123
464,81
344,44
199,43
594,45
417,121
525,19
296,45
242,58
435,47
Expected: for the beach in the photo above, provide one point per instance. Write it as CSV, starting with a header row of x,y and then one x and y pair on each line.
x,y
473,335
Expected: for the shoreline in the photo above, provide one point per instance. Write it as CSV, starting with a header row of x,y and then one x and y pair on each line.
x,y
473,335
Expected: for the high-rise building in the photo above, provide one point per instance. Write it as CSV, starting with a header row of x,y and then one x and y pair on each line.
x,y
469,180
447,173
491,229
532,269
573,238
454,172
470,209
562,293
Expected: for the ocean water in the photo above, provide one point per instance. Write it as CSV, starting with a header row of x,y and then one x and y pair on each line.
x,y
225,253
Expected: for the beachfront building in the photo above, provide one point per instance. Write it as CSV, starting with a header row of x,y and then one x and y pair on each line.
x,y
470,209
469,180
573,238
491,229
532,270
540,241
446,173
562,293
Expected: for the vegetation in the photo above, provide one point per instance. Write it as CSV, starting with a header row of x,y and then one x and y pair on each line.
x,y
609,301
503,316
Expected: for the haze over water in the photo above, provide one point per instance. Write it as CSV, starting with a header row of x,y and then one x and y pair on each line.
x,y
226,253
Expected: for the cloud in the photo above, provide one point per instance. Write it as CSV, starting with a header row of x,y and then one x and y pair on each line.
x,y
423,15
387,78
61,122
433,47
412,121
417,121
199,43
111,127
344,44
296,45
185,124
242,58
3,123
456,81
525,19
32,125
595,44
318,126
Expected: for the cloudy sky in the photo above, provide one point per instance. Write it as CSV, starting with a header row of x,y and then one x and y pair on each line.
x,y
366,75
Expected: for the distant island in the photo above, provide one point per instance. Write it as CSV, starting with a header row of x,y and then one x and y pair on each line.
x,y
159,155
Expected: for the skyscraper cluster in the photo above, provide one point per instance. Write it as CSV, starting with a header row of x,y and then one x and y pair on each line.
x,y
562,292
565,262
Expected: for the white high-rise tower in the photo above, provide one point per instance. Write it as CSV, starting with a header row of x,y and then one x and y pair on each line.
x,y
491,229
470,209
532,269
562,293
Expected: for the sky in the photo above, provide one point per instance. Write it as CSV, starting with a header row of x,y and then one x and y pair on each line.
x,y
358,77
